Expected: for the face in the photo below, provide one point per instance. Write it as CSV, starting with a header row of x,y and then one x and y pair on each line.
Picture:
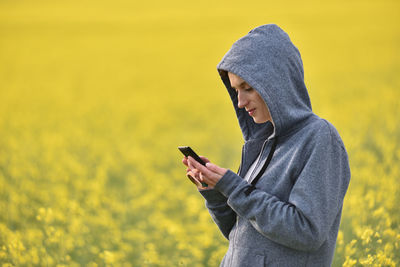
x,y
250,99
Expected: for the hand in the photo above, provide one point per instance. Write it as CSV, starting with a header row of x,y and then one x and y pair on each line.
x,y
209,174
194,174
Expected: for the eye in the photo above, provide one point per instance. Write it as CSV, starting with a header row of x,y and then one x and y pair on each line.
x,y
249,89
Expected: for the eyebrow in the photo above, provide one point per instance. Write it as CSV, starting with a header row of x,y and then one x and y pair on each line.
x,y
239,85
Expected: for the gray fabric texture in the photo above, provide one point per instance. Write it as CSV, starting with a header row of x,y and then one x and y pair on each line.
x,y
292,218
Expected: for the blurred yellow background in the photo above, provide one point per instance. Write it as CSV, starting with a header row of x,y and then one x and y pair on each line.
x,y
95,97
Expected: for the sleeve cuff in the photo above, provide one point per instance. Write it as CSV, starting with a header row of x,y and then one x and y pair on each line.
x,y
230,182
212,196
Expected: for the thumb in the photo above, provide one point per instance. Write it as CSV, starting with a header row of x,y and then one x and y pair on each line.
x,y
214,168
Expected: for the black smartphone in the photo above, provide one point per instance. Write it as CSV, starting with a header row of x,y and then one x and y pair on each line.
x,y
188,151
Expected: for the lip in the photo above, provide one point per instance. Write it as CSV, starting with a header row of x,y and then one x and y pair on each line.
x,y
251,111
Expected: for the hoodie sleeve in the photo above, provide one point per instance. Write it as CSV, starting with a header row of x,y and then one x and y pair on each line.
x,y
220,211
304,221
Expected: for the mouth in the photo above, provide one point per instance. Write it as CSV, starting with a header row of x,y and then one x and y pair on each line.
x,y
251,111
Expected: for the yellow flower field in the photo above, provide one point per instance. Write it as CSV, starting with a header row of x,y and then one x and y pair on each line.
x,y
95,97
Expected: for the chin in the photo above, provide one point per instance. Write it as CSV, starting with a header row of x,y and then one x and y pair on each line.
x,y
259,121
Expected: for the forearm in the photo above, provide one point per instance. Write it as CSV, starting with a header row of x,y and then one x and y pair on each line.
x,y
282,222
220,211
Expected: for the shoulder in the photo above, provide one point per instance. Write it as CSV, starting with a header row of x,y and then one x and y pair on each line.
x,y
312,133
324,131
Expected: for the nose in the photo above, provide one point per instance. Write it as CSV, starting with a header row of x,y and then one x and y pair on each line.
x,y
242,100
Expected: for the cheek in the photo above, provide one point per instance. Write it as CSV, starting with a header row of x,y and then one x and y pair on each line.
x,y
260,102
264,107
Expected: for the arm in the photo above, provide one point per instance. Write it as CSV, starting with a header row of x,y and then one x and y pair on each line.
x,y
216,203
220,211
304,221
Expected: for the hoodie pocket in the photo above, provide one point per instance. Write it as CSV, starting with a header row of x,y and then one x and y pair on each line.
x,y
259,260
255,260
245,257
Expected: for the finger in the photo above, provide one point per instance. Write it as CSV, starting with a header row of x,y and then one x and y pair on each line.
x,y
215,168
184,161
193,180
204,159
196,173
190,165
200,167
201,177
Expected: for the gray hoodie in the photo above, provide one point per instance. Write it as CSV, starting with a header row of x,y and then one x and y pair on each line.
x,y
292,216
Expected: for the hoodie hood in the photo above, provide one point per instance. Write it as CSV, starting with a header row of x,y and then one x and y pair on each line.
x,y
269,62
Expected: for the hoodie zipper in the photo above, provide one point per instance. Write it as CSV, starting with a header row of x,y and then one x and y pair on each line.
x,y
237,217
241,162
240,168
258,160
